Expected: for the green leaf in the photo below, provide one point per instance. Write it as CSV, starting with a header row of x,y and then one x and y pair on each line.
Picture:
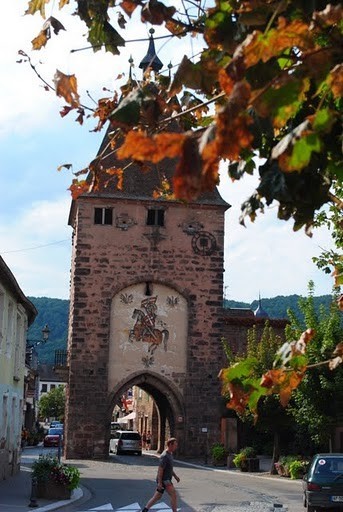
x,y
241,369
283,102
128,110
101,33
302,151
324,120
298,362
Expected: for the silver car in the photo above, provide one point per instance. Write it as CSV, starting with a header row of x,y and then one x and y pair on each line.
x,y
126,441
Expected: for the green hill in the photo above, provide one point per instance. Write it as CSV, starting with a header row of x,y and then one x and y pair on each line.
x,y
277,307
54,312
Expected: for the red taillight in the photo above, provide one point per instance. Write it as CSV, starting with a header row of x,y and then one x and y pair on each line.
x,y
313,487
140,443
120,442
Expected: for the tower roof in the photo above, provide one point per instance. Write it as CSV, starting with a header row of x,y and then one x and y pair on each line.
x,y
151,60
259,311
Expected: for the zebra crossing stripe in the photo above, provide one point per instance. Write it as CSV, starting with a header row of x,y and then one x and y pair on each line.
x,y
134,507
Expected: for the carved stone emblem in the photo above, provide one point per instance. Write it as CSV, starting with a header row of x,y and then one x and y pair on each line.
x,y
204,243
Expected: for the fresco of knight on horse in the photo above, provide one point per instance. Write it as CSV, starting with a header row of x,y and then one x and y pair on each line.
x,y
144,328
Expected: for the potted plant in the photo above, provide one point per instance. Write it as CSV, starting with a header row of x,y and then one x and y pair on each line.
x,y
246,459
219,454
54,479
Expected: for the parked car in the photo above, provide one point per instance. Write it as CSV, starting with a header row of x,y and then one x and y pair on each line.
x,y
126,441
323,483
53,437
56,424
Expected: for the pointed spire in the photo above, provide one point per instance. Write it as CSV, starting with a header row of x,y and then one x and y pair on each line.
x,y
131,66
151,60
260,312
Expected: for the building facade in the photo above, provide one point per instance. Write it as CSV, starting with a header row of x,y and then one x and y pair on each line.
x,y
16,314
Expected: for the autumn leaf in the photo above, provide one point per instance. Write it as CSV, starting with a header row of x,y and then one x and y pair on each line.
x,y
187,177
282,382
65,110
45,34
64,166
290,383
263,46
336,80
41,40
54,23
175,28
78,187
66,87
156,12
140,147
37,5
129,6
331,15
105,107
225,81
232,132
119,173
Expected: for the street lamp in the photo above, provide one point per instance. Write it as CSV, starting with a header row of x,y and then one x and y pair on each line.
x,y
45,336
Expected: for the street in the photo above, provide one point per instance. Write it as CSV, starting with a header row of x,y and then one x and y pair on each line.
x,y
127,482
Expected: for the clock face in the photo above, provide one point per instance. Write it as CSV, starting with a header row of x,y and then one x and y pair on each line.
x,y
203,243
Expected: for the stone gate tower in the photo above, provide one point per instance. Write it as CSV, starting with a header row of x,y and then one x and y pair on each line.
x,y
146,309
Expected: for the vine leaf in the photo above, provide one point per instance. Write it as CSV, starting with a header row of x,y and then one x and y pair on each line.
x,y
45,34
66,87
156,13
37,5
140,147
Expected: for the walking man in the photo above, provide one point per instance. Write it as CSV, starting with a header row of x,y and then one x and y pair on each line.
x,y
165,473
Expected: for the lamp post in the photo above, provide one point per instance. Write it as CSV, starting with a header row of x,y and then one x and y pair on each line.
x,y
45,336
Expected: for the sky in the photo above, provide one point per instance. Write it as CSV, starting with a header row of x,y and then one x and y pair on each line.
x,y
265,257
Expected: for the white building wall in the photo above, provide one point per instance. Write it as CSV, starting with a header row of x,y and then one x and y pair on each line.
x,y
13,326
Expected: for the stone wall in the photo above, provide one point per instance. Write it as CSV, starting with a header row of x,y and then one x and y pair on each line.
x,y
107,260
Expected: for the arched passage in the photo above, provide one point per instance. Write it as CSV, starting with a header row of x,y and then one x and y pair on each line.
x,y
168,401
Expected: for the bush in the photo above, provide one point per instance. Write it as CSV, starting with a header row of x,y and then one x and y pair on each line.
x,y
297,469
48,468
218,451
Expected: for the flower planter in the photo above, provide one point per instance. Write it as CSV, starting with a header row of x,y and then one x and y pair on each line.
x,y
53,491
219,462
253,465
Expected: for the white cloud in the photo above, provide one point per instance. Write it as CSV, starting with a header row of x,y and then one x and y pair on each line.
x,y
267,255
36,245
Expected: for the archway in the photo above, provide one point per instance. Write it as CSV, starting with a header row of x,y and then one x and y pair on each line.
x,y
169,404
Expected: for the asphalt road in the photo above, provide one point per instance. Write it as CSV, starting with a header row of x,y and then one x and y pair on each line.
x,y
127,482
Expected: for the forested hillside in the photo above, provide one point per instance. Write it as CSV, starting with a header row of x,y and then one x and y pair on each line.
x,y
54,312
277,307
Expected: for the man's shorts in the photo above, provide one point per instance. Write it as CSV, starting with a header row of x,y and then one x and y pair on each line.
x,y
165,484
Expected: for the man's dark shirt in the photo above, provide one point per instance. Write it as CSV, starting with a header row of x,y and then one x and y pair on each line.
x,y
167,463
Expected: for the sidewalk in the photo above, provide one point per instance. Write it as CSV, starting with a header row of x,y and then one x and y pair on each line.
x,y
15,492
